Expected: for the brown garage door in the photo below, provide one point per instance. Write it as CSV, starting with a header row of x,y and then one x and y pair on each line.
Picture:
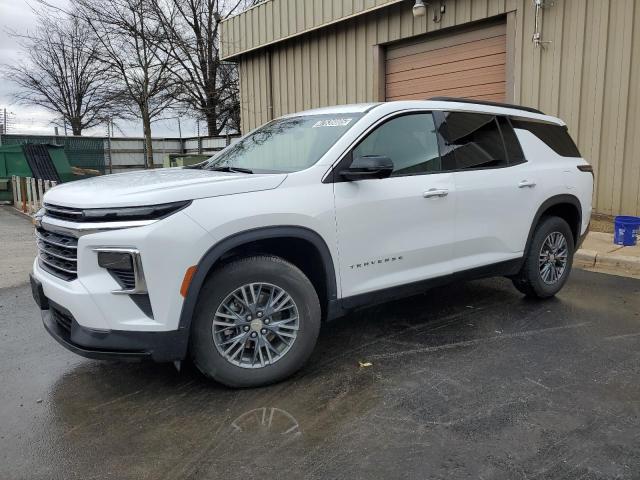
x,y
470,64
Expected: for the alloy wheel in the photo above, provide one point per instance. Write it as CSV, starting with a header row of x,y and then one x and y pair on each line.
x,y
553,258
255,325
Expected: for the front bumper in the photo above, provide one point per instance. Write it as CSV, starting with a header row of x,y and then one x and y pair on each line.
x,y
107,344
168,247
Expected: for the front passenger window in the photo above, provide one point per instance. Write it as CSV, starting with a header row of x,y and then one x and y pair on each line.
x,y
409,141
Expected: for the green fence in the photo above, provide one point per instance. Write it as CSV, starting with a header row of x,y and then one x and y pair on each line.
x,y
84,152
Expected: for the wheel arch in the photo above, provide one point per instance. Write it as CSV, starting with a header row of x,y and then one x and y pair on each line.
x,y
237,243
565,206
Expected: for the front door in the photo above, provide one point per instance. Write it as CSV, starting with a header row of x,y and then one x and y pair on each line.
x,y
397,230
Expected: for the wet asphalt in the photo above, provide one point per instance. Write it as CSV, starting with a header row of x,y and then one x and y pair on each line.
x,y
469,381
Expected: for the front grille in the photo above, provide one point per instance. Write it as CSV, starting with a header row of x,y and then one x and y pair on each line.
x,y
126,279
64,213
57,254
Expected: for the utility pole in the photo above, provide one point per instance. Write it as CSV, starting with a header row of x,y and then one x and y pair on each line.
x,y
109,135
180,135
199,139
4,128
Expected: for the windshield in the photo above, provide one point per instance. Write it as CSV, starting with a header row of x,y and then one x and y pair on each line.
x,y
285,145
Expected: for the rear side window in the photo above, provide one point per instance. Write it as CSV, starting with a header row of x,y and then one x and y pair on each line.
x,y
475,140
511,143
555,136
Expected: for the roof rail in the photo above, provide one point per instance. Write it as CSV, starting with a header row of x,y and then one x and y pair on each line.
x,y
484,102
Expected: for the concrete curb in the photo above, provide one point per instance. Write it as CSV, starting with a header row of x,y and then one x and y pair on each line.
x,y
592,259
585,258
619,261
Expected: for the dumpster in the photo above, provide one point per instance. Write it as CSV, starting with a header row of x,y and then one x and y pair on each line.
x,y
39,161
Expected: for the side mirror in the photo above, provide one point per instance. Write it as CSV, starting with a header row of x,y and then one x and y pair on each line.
x,y
370,166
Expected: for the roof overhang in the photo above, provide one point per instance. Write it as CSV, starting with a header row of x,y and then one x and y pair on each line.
x,y
255,27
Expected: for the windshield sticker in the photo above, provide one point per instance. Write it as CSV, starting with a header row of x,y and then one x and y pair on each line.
x,y
333,122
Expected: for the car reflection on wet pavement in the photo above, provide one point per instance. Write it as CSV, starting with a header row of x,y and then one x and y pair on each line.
x,y
468,381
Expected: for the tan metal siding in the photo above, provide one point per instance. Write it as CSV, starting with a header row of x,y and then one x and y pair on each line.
x,y
341,53
630,191
588,75
248,30
254,92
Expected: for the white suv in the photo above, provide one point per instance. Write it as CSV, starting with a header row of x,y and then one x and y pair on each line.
x,y
236,262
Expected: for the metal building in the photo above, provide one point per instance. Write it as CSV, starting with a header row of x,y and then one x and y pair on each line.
x,y
578,59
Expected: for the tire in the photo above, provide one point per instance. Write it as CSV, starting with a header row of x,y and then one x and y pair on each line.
x,y
221,302
531,279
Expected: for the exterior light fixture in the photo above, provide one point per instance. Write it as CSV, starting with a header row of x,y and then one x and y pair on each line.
x,y
419,9
538,5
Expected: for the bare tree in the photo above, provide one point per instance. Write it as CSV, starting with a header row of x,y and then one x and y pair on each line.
x,y
130,37
62,72
201,81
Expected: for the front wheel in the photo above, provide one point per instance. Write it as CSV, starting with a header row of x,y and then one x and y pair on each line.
x,y
256,322
548,261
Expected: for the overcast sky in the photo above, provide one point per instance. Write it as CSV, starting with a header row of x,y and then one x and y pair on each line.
x,y
17,15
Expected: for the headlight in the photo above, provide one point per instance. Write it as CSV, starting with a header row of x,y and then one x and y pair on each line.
x,y
37,218
116,214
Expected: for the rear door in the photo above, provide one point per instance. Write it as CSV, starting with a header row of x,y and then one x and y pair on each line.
x,y
495,188
397,230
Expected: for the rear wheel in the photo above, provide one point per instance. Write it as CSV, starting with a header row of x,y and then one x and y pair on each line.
x,y
548,260
256,322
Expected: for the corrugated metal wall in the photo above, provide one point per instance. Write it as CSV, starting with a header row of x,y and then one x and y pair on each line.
x,y
129,153
335,64
589,74
590,77
275,20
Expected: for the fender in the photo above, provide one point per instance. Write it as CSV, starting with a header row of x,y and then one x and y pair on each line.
x,y
548,203
219,249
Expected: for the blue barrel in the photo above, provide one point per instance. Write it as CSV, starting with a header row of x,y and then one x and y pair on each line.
x,y
626,230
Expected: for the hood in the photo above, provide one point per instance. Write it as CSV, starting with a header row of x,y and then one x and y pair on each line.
x,y
152,187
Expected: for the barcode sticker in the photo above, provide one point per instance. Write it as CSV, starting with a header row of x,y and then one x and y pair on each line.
x,y
333,122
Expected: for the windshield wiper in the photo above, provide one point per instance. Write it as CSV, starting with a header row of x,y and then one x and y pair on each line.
x,y
196,166
228,168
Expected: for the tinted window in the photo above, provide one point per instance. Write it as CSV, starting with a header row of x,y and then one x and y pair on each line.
x,y
511,143
409,141
555,136
475,140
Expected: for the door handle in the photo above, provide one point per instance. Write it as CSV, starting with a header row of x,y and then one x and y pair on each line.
x,y
435,192
526,184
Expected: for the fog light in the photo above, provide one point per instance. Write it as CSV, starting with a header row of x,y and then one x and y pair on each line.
x,y
125,266
116,261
